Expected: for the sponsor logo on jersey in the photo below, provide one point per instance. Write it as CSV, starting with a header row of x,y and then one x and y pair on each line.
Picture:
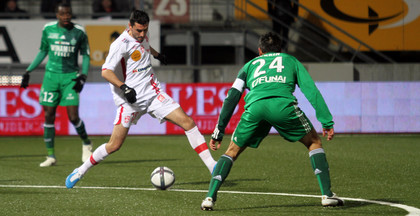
x,y
270,79
142,69
62,50
136,55
61,42
53,36
63,37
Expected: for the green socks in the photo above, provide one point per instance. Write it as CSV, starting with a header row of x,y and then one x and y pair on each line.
x,y
221,171
49,134
320,166
80,129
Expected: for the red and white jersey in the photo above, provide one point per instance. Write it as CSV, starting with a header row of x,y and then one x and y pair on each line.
x,y
130,60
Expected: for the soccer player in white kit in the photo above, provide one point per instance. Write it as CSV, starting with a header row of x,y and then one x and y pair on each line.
x,y
136,91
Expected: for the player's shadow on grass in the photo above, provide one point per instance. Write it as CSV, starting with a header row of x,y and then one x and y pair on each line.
x,y
20,156
266,207
135,161
352,204
227,183
347,205
356,204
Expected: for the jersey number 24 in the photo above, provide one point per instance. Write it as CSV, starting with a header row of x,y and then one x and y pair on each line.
x,y
277,64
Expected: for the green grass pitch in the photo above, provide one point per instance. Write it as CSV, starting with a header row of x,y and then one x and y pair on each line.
x,y
383,168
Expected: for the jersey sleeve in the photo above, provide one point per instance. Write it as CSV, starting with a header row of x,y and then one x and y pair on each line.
x,y
44,41
231,101
311,92
43,52
116,53
84,52
84,44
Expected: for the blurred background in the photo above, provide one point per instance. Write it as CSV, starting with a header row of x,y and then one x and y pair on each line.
x,y
363,53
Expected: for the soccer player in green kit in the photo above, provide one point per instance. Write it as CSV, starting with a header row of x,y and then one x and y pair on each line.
x,y
271,79
62,40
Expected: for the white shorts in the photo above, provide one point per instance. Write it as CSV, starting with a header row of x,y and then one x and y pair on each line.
x,y
158,107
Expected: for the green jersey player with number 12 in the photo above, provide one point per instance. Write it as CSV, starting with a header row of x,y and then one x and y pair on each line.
x,y
271,79
62,41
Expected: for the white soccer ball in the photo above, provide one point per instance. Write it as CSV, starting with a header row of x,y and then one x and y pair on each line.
x,y
162,178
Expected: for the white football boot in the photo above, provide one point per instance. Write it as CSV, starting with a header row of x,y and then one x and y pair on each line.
x,y
86,152
332,201
207,204
49,162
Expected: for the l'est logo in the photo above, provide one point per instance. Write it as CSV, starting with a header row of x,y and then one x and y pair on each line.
x,y
136,55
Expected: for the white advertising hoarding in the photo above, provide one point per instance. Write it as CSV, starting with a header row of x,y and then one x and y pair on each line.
x,y
25,37
357,107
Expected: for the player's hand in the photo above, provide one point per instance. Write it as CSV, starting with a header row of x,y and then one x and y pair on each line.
x,y
328,132
216,138
25,80
129,93
214,145
161,58
80,81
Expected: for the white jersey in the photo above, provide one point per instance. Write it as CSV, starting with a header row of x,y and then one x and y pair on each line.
x,y
130,60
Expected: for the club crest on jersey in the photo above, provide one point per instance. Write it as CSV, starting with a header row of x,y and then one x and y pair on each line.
x,y
136,55
73,41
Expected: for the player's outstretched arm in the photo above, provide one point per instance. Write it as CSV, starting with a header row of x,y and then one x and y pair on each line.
x,y
329,132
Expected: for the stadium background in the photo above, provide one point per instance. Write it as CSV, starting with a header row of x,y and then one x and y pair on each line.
x,y
366,66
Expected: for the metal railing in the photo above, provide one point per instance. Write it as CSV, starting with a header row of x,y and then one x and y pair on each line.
x,y
313,53
221,14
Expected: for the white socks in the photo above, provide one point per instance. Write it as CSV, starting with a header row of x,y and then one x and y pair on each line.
x,y
98,155
196,139
198,143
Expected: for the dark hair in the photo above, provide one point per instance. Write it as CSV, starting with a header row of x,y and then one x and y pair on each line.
x,y
140,17
62,4
269,42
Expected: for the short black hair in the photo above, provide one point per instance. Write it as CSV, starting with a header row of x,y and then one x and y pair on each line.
x,y
269,42
140,17
62,4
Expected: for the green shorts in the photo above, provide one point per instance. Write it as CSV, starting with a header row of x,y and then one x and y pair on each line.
x,y
281,113
57,89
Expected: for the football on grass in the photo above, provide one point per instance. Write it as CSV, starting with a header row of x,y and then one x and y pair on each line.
x,y
162,178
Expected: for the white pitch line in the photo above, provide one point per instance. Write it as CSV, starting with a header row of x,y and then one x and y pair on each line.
x,y
412,211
